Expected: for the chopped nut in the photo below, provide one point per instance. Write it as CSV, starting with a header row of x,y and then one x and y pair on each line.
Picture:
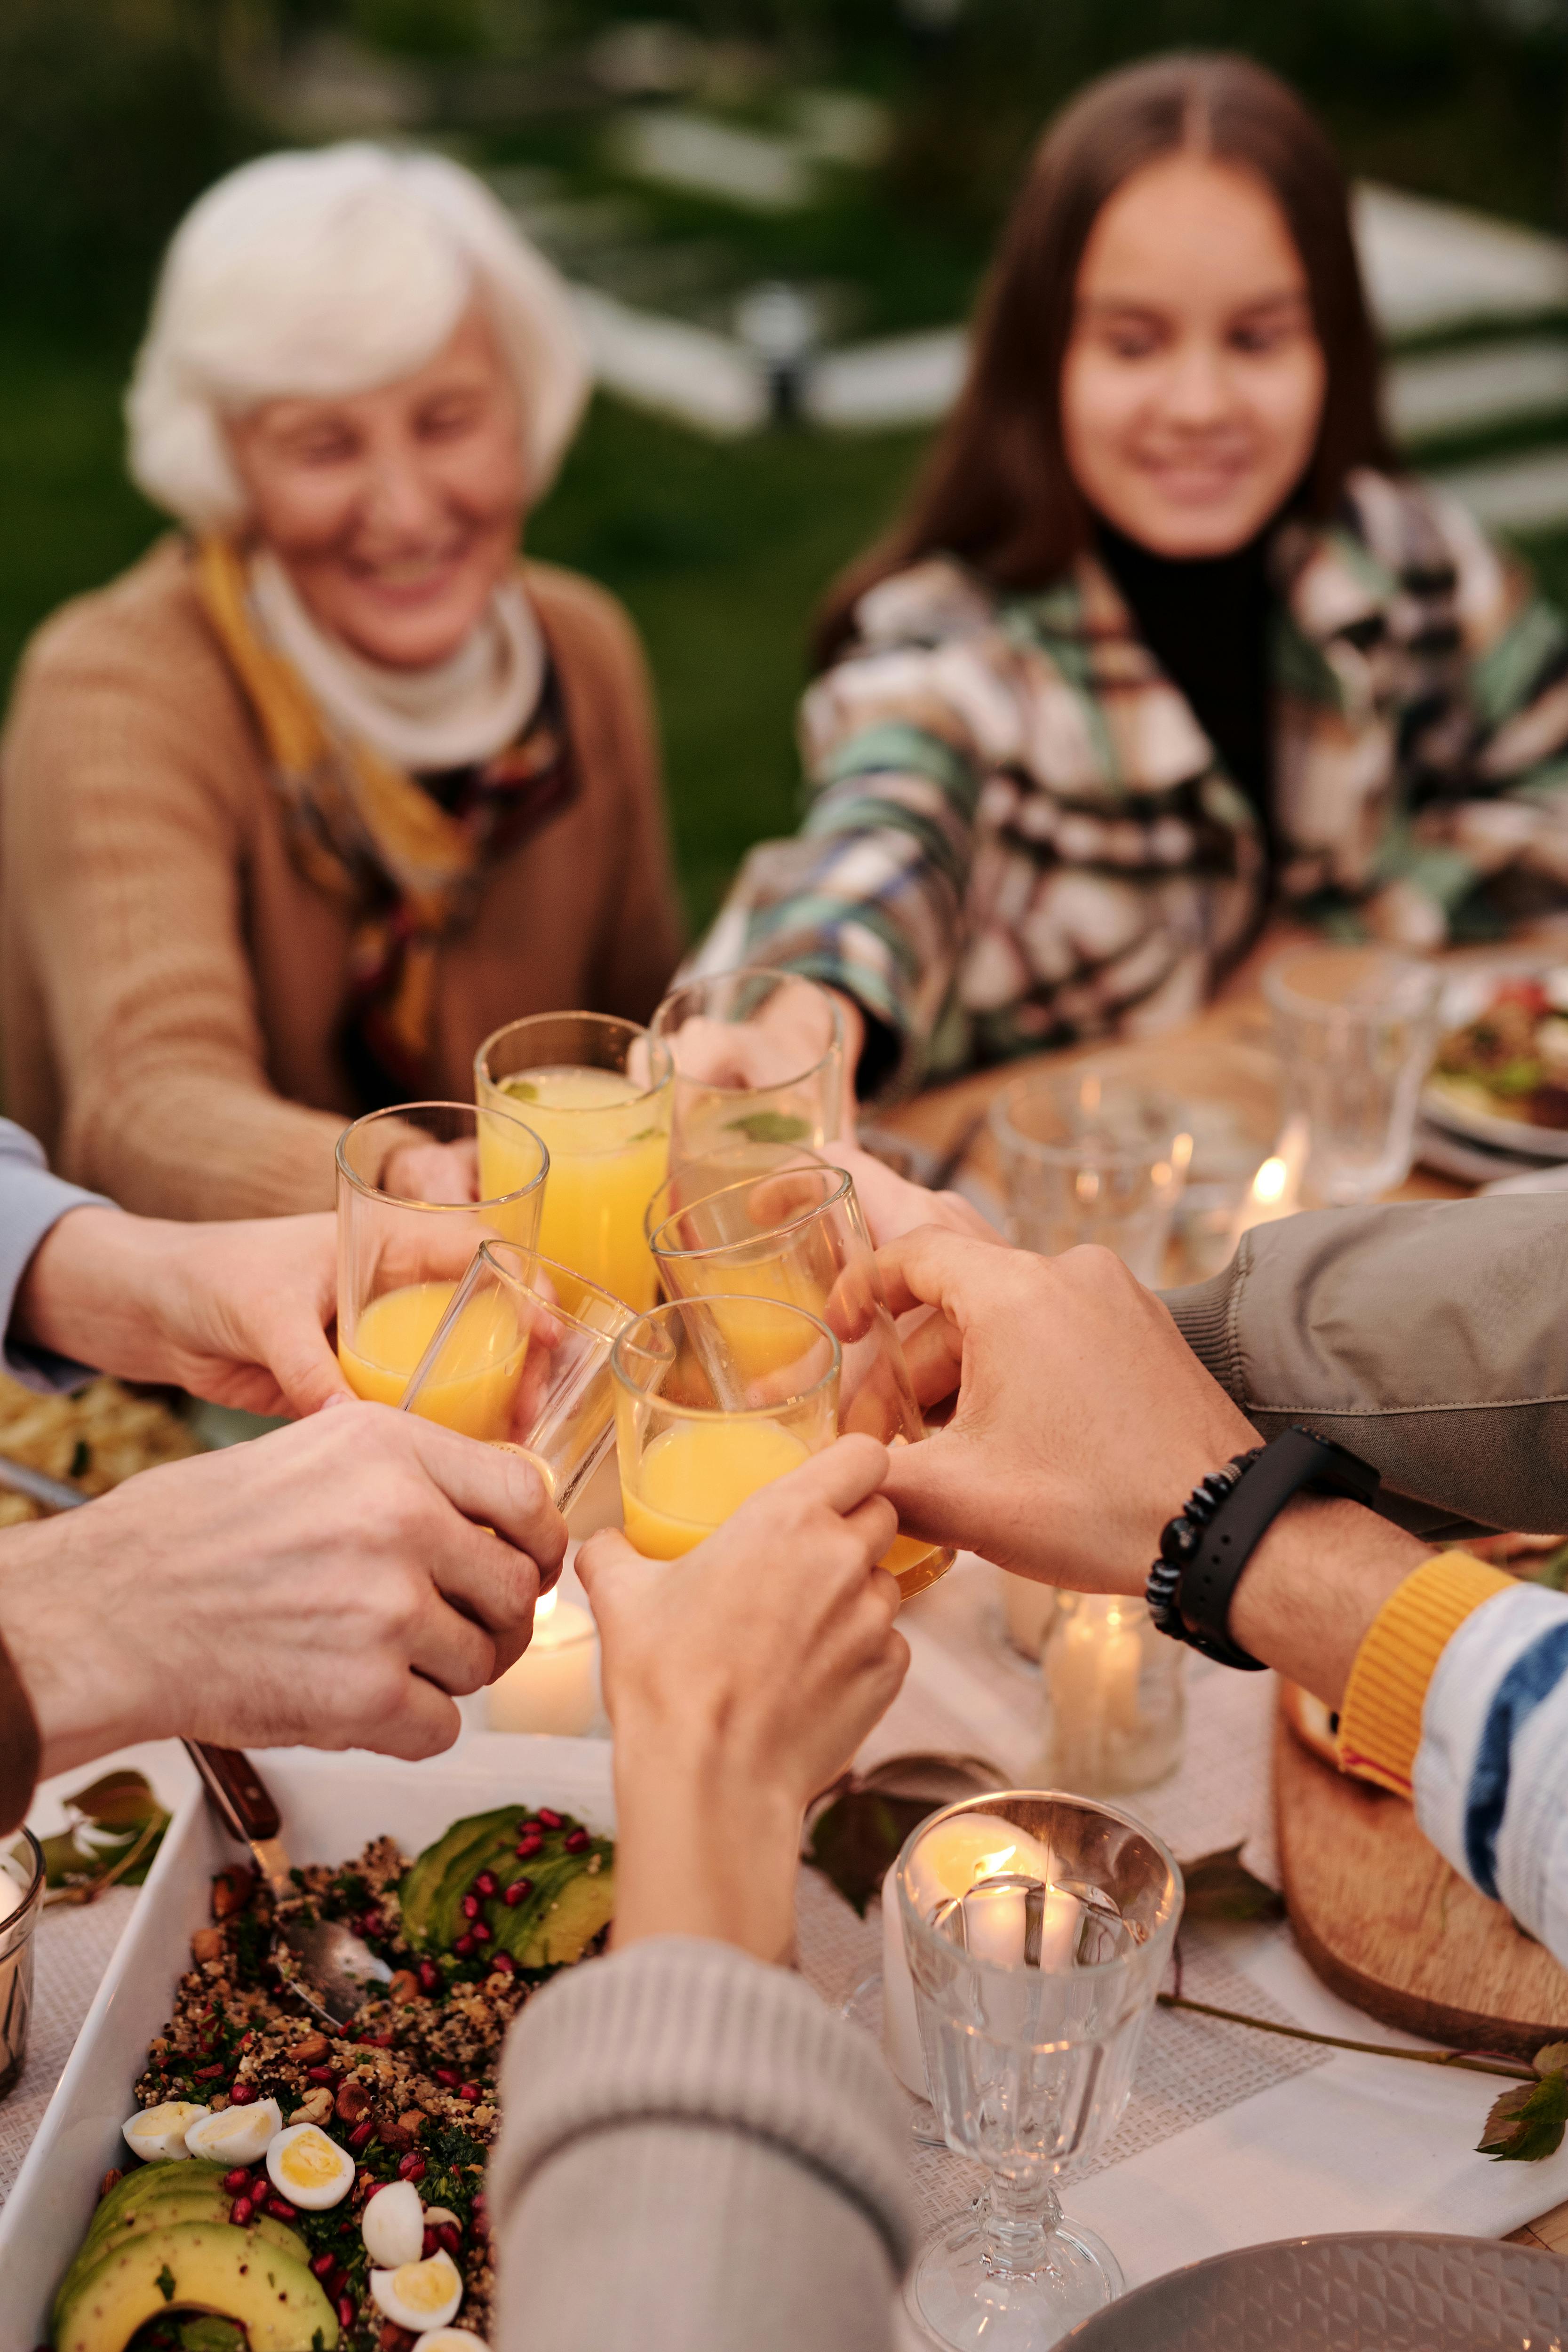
x,y
413,2123
403,1988
314,2108
353,2102
111,2180
312,2050
393,2135
232,1889
394,2338
207,1944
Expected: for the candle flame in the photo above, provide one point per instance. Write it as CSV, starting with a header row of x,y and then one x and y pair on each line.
x,y
545,1604
1269,1184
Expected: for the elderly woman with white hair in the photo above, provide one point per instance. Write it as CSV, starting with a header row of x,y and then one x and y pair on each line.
x,y
329,784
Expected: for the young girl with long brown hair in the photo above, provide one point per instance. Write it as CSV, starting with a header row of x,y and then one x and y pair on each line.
x,y
1164,638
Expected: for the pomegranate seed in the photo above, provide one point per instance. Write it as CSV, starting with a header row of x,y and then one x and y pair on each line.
x,y
208,2073
360,2134
485,1883
430,2245
345,2311
531,1828
411,2167
547,1820
324,2265
470,1906
469,2091
518,1892
429,1976
448,2075
478,1933
378,2040
245,2040
239,2212
376,2187
242,2095
529,1848
279,2208
503,1964
576,1841
464,1947
237,2181
451,2237
320,2073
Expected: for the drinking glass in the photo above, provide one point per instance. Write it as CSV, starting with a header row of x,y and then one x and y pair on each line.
x,y
1115,1695
1038,1928
698,1430
521,1359
797,1234
413,1207
1085,1158
1357,1029
599,1090
759,1058
21,1900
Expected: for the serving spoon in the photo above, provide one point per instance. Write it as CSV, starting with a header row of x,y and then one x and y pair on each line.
x,y
340,1968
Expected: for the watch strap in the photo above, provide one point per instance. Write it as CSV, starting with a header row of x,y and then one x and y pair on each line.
x,y
1297,1458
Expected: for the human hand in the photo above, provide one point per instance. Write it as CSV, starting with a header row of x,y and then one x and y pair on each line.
x,y
892,1205
739,1680
237,1312
1083,1420
330,1585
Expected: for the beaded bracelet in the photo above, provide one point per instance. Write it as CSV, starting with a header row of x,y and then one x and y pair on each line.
x,y
1179,1540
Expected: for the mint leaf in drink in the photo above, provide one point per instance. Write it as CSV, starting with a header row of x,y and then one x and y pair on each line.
x,y
769,1127
1527,2124
521,1089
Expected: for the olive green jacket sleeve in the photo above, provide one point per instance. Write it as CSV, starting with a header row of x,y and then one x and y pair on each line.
x,y
1432,1339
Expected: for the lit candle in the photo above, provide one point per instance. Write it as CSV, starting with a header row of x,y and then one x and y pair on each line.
x,y
1276,1190
1027,1609
555,1686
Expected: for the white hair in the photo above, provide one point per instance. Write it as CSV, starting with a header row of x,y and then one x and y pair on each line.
x,y
330,273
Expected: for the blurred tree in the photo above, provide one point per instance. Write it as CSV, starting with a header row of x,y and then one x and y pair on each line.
x,y
113,115
423,28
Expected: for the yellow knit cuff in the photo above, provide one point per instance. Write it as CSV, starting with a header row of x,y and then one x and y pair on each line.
x,y
1380,1719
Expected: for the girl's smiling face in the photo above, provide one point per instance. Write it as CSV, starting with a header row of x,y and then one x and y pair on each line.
x,y
1194,380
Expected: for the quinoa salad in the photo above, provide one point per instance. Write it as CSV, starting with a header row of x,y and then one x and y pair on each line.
x,y
304,2187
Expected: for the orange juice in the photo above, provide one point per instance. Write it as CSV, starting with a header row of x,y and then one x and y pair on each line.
x,y
480,1362
608,1140
693,1476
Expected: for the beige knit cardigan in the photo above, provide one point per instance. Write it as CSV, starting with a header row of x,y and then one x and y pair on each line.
x,y
172,987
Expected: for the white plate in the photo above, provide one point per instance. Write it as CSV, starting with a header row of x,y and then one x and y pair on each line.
x,y
1466,994
330,1805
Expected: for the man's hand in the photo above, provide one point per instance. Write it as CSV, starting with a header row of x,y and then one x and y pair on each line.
x,y
238,1312
328,1585
739,1680
1083,1419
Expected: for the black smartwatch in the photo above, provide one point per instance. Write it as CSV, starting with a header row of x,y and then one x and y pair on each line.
x,y
1205,1548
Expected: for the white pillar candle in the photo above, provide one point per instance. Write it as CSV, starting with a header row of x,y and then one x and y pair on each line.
x,y
1027,1607
555,1686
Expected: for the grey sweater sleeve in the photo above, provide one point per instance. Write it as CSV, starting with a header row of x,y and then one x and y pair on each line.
x,y
1430,1338
31,1201
695,2156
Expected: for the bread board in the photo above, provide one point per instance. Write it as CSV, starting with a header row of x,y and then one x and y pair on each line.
x,y
1387,1924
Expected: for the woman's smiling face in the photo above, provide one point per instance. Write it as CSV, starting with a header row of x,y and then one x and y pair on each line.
x,y
1194,380
395,513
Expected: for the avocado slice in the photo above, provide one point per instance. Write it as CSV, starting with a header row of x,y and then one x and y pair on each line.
x,y
569,1925
447,1862
168,2213
144,2191
197,2266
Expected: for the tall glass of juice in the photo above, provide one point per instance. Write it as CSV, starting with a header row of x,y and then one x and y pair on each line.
x,y
697,1433
759,1058
412,1211
797,1234
521,1359
597,1090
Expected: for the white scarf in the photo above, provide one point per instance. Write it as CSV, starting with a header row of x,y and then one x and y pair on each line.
x,y
461,712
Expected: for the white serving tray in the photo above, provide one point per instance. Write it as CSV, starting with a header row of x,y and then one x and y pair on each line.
x,y
330,1805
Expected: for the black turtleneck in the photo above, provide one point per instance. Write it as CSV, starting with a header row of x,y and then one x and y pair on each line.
x,y
1205,619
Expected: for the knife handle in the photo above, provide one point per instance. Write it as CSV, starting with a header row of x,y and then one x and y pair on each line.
x,y
237,1789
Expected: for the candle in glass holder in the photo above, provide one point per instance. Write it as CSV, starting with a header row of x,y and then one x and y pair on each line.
x,y
555,1686
1114,1698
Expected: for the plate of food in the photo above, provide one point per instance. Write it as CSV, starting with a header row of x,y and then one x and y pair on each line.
x,y
223,2171
1500,1073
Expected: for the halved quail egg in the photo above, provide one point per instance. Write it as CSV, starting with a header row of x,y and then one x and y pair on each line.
x,y
158,2134
235,2135
311,2171
420,2296
450,2339
394,2226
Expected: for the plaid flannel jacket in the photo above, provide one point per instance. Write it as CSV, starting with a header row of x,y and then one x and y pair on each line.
x,y
1018,835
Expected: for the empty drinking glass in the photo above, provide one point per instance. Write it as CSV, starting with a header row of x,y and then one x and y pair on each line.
x,y
1085,1158
1357,1028
759,1058
1038,1928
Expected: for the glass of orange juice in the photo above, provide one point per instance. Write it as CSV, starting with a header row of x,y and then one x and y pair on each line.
x,y
412,1211
697,1433
797,1234
597,1090
521,1359
759,1058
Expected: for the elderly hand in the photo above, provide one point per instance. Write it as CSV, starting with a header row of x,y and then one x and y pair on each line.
x,y
238,1312
332,1584
739,1680
1083,1420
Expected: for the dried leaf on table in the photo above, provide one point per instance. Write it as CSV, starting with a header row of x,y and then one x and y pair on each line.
x,y
858,1835
116,1824
1551,2058
1526,2125
1220,1886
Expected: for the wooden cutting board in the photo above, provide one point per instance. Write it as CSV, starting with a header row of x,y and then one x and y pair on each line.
x,y
1385,1922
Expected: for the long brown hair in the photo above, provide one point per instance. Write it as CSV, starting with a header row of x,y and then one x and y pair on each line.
x,y
996,490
